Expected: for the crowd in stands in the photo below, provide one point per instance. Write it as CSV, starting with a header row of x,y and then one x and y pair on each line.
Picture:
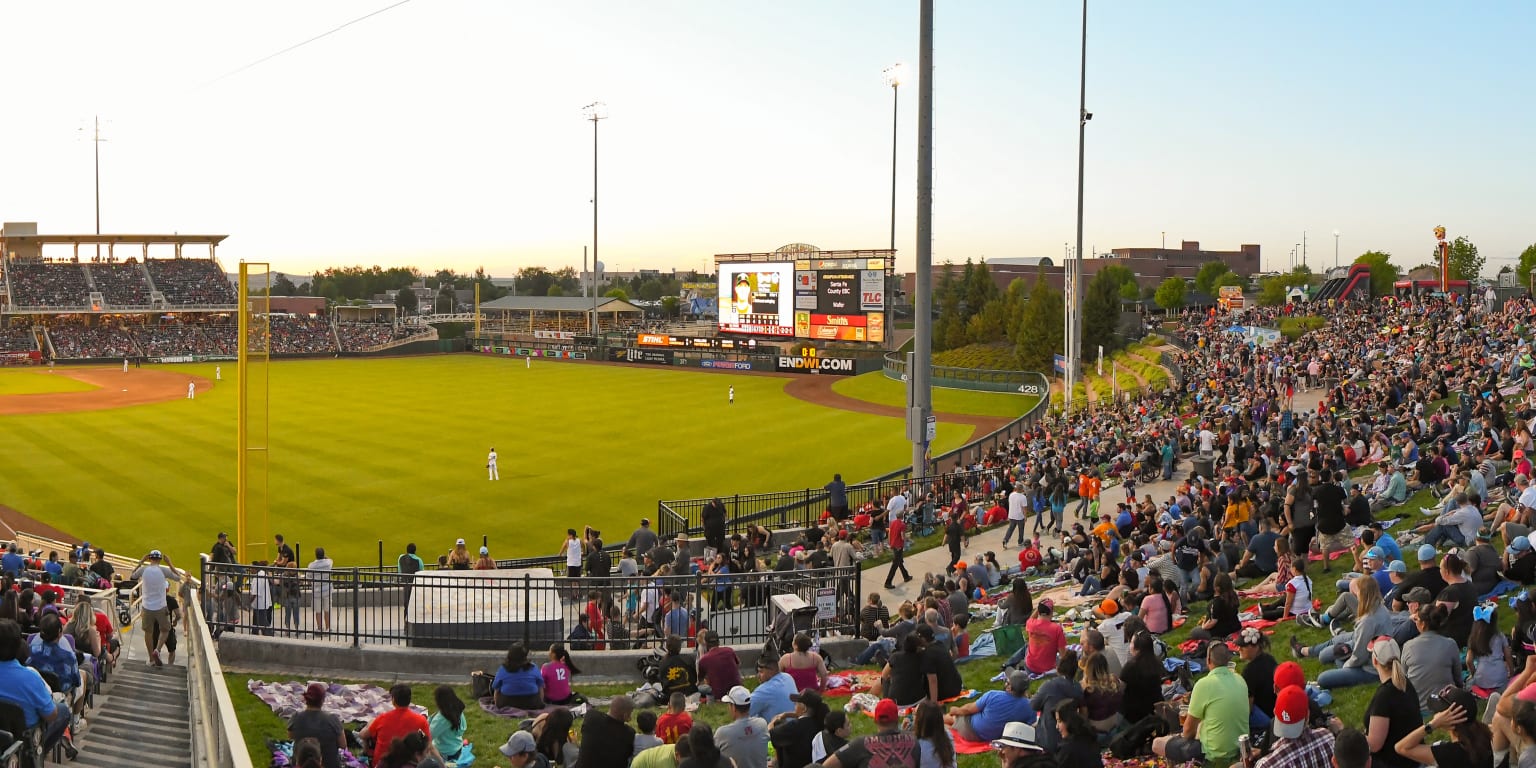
x,y
73,341
39,283
174,340
359,337
301,335
192,281
14,339
121,284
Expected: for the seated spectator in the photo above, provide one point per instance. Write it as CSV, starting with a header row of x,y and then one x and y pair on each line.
x,y
51,652
675,723
313,722
518,682
557,674
719,667
983,719
395,725
24,688
447,723
679,673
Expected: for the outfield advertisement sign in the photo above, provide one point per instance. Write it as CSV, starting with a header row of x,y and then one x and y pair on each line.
x,y
728,365
837,366
632,355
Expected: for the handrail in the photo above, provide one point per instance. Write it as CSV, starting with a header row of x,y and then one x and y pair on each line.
x,y
216,735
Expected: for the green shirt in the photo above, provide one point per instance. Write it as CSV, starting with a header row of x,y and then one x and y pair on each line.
x,y
656,757
1220,700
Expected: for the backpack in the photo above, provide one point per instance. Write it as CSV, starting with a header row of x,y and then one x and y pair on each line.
x,y
1137,739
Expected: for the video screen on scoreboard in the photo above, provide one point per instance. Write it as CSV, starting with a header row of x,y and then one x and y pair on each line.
x,y
756,298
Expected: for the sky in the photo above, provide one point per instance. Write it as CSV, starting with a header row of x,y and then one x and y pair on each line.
x,y
450,133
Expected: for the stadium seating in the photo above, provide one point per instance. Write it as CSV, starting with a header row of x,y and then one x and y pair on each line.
x,y
121,284
174,340
300,336
79,341
17,340
192,281
40,284
360,337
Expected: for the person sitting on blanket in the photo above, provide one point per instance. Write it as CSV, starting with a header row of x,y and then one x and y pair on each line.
x,y
557,674
518,682
314,723
678,672
448,723
384,730
984,718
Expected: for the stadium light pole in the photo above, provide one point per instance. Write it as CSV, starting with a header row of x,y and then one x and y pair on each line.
x,y
1075,303
918,378
595,111
1335,249
894,74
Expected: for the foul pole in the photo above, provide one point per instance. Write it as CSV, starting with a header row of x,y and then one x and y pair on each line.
x,y
254,347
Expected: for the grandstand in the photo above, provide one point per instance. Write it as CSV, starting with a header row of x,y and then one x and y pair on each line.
x,y
61,307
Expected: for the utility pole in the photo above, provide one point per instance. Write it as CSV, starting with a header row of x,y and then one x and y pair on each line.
x,y
920,401
595,111
96,141
1075,300
1303,247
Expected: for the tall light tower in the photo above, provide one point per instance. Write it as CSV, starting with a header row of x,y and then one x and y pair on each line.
x,y
1335,249
1075,299
595,111
920,396
894,75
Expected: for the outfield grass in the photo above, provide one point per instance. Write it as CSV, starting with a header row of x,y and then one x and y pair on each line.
x,y
39,381
876,387
394,449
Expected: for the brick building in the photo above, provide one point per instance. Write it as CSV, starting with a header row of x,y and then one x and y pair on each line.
x,y
1151,265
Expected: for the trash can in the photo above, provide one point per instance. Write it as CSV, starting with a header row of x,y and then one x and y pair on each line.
x,y
1205,465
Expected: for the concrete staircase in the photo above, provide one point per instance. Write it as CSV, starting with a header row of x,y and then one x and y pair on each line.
x,y
142,714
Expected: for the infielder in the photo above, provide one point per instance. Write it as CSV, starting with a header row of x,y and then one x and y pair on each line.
x,y
490,465
730,396
218,373
191,390
125,365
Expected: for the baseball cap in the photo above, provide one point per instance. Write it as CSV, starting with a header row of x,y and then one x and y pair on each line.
x,y
1376,553
1520,544
1397,566
222,535
459,543
1426,553
1452,696
885,712
1289,674
314,695
1291,712
1418,595
485,551
808,696
1109,607
1021,735
1384,649
739,696
519,743
154,554
1018,680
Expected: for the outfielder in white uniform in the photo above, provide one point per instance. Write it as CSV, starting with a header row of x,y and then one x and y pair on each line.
x,y
730,396
490,465
191,390
218,373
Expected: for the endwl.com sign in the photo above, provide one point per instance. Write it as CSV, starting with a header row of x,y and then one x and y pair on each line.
x,y
837,366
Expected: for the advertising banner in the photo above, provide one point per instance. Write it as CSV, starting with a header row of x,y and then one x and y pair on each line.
x,y
652,356
872,290
837,366
729,365
837,293
555,335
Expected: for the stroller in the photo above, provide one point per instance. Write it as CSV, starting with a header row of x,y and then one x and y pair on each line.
x,y
788,615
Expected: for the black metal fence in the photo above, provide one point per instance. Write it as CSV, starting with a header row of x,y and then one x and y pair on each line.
x,y
492,609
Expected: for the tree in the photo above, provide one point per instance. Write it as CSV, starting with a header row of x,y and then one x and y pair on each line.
x,y
617,293
1383,272
1170,295
1465,263
1130,291
650,290
1040,334
443,302
282,286
1527,263
1205,279
1014,300
555,290
534,281
980,288
669,306
1230,278
1101,306
989,324
947,299
405,300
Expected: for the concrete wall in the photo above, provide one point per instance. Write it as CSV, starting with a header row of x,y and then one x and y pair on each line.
x,y
399,662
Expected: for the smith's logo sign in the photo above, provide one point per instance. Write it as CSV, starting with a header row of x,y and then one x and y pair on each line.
x,y
823,364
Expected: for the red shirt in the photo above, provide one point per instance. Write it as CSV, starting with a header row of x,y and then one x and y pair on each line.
x,y
672,726
719,667
392,725
1029,557
898,533
103,628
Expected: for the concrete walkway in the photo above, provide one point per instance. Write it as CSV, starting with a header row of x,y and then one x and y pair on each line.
x,y
935,560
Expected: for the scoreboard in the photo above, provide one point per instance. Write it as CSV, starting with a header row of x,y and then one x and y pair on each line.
x,y
822,299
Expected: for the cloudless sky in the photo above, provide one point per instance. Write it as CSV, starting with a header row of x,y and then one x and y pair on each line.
x,y
449,133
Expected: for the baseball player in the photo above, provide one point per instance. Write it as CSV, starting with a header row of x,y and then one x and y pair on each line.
x,y
191,390
730,396
490,465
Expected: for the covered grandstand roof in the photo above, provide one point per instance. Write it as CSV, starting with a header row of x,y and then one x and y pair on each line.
x,y
176,239
558,304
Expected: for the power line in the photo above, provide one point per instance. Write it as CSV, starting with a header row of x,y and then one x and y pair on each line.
x,y
296,46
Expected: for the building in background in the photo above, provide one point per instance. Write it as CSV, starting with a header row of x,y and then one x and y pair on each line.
x,y
1151,265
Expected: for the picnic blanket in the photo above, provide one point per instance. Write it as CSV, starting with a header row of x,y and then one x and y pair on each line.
x,y
352,703
846,684
488,703
282,756
965,747
1001,676
864,703
1317,557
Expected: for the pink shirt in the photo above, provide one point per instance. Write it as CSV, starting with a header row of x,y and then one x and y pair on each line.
x,y
1046,641
1155,613
557,681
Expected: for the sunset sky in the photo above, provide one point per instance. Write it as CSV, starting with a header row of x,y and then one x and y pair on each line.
x,y
449,133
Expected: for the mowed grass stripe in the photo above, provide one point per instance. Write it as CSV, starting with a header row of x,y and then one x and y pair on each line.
x,y
394,449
